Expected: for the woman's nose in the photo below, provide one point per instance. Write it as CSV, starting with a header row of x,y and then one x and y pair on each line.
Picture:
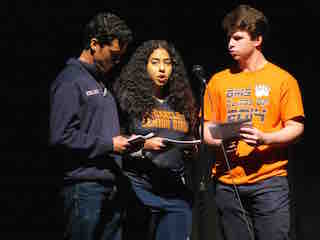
x,y
161,67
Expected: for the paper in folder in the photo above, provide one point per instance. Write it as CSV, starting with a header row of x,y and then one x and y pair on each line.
x,y
228,130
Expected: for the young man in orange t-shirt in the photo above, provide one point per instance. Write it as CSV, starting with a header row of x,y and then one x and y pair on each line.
x,y
252,193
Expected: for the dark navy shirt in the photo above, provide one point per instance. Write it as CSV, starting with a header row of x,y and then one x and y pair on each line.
x,y
162,165
83,120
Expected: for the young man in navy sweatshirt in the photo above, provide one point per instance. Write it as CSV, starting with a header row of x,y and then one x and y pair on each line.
x,y
85,132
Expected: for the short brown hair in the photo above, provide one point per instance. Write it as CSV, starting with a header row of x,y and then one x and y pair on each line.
x,y
246,18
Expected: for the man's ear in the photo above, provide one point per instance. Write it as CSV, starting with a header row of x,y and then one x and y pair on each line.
x,y
93,44
259,41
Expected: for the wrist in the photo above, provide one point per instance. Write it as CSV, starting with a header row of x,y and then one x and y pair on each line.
x,y
264,140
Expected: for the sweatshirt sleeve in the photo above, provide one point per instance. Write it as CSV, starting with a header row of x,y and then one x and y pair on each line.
x,y
65,130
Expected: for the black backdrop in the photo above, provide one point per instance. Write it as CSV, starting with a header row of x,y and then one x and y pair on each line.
x,y
40,36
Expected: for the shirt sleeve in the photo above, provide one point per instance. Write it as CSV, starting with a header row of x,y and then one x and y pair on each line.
x,y
211,102
291,100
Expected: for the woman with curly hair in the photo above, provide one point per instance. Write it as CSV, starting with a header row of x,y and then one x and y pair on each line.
x,y
154,95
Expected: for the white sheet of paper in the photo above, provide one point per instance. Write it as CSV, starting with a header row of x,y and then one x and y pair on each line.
x,y
227,130
181,142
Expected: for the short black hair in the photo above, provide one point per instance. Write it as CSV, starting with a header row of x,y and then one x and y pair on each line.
x,y
105,27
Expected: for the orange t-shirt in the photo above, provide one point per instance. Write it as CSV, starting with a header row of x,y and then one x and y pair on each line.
x,y
269,97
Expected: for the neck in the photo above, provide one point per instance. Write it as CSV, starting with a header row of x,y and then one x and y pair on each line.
x,y
86,57
254,62
158,92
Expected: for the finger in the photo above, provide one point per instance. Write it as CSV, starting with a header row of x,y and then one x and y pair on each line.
x,y
162,145
246,136
246,130
250,142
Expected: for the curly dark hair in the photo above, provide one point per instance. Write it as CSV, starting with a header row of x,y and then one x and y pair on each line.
x,y
134,86
105,27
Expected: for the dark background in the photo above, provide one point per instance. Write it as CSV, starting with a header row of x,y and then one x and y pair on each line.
x,y
39,36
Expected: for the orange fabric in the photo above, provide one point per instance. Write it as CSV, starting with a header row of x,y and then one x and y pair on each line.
x,y
268,97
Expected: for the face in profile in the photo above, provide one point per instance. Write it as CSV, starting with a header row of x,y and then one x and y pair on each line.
x,y
108,55
159,67
241,46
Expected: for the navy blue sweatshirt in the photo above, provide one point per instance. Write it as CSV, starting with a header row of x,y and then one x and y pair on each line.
x,y
83,120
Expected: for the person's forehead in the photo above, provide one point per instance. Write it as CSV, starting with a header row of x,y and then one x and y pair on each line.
x,y
115,42
239,32
160,52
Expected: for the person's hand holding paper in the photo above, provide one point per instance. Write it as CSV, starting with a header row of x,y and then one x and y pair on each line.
x,y
228,133
229,130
